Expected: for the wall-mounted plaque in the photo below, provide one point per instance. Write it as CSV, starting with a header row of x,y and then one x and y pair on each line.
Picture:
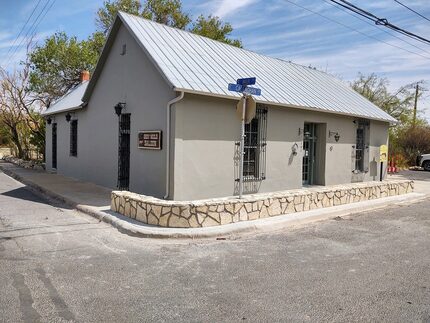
x,y
149,139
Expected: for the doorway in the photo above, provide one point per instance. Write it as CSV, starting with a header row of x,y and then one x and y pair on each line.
x,y
124,152
309,153
54,146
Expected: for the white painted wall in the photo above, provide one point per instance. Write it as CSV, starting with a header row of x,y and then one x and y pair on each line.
x,y
133,79
206,129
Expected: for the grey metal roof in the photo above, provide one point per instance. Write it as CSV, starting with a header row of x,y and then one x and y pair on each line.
x,y
70,101
197,64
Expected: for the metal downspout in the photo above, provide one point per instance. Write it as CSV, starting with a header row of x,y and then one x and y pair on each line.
x,y
169,109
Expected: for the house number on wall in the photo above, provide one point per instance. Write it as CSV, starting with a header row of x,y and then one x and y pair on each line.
x,y
150,139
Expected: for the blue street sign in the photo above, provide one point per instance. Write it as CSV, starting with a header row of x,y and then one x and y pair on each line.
x,y
236,87
252,91
246,81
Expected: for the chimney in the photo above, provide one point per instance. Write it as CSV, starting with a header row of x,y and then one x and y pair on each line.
x,y
85,76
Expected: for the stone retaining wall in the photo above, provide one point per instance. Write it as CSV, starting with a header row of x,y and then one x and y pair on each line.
x,y
205,213
33,164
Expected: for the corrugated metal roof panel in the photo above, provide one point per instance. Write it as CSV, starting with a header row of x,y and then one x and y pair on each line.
x,y
70,101
198,64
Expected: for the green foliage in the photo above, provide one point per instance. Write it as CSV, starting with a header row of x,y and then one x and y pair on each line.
x,y
167,12
96,42
56,65
407,138
37,136
399,104
4,135
212,27
412,141
106,14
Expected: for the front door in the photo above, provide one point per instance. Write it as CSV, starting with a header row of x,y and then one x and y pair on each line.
x,y
54,146
309,153
124,152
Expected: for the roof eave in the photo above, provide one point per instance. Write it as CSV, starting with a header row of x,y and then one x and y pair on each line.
x,y
48,113
315,109
105,52
102,59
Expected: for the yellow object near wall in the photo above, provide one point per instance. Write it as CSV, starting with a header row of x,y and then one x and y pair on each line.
x,y
383,153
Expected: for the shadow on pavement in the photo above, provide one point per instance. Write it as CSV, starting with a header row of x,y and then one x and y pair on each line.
x,y
23,193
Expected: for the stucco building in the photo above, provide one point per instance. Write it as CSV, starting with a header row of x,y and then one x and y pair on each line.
x,y
156,118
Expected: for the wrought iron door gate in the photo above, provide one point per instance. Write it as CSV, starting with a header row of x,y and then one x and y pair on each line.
x,y
309,149
124,152
54,145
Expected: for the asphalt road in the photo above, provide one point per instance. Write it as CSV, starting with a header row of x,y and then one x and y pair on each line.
x,y
58,265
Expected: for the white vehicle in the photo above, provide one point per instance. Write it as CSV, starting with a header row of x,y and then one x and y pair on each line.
x,y
424,161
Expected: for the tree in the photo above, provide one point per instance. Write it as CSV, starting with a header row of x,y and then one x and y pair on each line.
x,y
413,141
4,133
10,115
404,139
107,13
213,27
398,104
57,64
168,12
19,111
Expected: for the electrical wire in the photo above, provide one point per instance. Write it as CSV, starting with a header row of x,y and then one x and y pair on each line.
x,y
23,27
414,11
379,21
30,31
355,30
370,24
43,17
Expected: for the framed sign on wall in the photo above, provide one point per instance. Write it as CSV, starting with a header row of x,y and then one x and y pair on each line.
x,y
150,139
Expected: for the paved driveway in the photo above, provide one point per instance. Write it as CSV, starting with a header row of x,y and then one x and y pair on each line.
x,y
421,179
57,265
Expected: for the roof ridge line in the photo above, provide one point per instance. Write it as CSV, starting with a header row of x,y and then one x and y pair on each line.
x,y
224,44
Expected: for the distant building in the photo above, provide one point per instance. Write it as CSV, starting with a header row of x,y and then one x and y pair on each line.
x,y
177,132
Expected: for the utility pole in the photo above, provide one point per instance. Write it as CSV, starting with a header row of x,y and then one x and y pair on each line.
x,y
415,105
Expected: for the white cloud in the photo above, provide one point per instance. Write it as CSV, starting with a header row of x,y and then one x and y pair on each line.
x,y
399,67
228,7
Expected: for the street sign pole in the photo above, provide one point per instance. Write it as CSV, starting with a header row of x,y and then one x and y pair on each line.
x,y
242,147
242,86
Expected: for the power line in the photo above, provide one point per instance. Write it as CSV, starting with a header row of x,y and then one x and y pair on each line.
x,y
370,24
33,32
379,21
23,27
25,38
355,30
414,11
34,25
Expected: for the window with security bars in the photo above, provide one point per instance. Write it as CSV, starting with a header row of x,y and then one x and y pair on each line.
x,y
74,138
54,145
124,152
360,145
254,161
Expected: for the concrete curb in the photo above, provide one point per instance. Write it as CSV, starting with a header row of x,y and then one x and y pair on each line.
x,y
133,228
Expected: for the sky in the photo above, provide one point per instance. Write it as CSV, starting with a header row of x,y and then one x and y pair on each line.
x,y
308,32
